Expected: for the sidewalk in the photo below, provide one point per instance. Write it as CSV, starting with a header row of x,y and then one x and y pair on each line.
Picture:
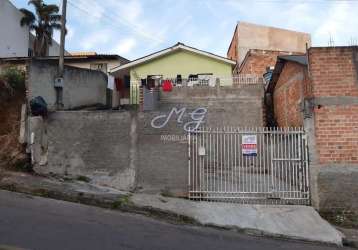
x,y
290,222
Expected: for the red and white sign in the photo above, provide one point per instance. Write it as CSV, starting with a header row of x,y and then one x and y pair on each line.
x,y
249,145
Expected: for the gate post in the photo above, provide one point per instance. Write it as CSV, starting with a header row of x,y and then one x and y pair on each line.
x,y
312,158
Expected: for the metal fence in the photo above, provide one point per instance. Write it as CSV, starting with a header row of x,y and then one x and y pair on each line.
x,y
257,165
237,81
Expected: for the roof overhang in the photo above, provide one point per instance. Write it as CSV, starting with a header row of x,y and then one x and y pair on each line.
x,y
281,61
176,47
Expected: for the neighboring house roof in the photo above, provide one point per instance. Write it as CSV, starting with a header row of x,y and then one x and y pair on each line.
x,y
99,56
281,61
301,59
69,57
264,53
176,47
83,53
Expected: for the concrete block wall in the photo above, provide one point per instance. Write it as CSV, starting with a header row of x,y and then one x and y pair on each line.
x,y
92,144
121,149
82,87
338,189
162,155
114,149
228,106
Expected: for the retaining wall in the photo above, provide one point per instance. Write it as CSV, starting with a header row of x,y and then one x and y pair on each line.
x,y
129,150
82,87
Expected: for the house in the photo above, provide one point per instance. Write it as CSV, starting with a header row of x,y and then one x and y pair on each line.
x,y
319,91
256,47
93,61
18,41
258,61
82,88
181,64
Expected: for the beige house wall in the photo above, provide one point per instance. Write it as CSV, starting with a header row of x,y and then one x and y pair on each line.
x,y
87,64
253,36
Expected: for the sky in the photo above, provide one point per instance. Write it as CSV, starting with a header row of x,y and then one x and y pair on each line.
x,y
134,28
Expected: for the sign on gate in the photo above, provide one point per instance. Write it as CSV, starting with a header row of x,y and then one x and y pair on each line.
x,y
219,171
249,145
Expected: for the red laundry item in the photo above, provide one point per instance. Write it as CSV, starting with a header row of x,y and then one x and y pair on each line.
x,y
167,86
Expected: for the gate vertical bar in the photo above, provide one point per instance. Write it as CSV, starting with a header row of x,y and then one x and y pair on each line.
x,y
189,166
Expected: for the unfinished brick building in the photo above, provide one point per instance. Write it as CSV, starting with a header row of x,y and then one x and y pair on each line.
x,y
257,61
320,92
256,47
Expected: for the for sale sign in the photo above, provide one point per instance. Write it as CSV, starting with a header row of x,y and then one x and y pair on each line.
x,y
249,145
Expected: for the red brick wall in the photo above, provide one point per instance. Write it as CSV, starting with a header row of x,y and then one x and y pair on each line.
x,y
333,73
288,94
258,60
232,52
337,134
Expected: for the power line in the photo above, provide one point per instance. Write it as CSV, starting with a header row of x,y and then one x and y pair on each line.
x,y
114,20
285,1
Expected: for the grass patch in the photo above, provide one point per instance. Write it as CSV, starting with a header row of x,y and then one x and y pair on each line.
x,y
341,217
122,202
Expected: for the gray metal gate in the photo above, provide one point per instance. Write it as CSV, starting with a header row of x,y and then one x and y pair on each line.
x,y
249,165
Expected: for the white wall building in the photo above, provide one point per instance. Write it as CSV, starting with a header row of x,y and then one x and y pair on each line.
x,y
16,41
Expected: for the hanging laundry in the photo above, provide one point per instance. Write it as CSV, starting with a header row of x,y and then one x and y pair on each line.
x,y
167,86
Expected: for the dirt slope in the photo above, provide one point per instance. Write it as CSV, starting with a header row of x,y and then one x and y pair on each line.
x,y
11,152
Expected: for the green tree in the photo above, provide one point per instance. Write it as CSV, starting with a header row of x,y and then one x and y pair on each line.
x,y
43,23
14,77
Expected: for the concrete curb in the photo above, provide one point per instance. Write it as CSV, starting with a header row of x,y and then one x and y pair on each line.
x,y
84,193
351,239
288,222
174,210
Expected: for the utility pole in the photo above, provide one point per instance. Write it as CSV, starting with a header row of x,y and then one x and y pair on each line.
x,y
59,81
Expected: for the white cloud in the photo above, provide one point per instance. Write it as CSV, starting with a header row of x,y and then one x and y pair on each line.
x,y
340,23
125,46
119,26
86,11
126,16
70,33
96,39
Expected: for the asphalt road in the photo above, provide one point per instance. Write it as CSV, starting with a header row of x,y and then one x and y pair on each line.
x,y
36,223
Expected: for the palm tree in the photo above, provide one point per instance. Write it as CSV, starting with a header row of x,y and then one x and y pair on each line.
x,y
44,23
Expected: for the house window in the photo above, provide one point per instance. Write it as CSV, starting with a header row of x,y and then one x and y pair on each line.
x,y
99,66
200,79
